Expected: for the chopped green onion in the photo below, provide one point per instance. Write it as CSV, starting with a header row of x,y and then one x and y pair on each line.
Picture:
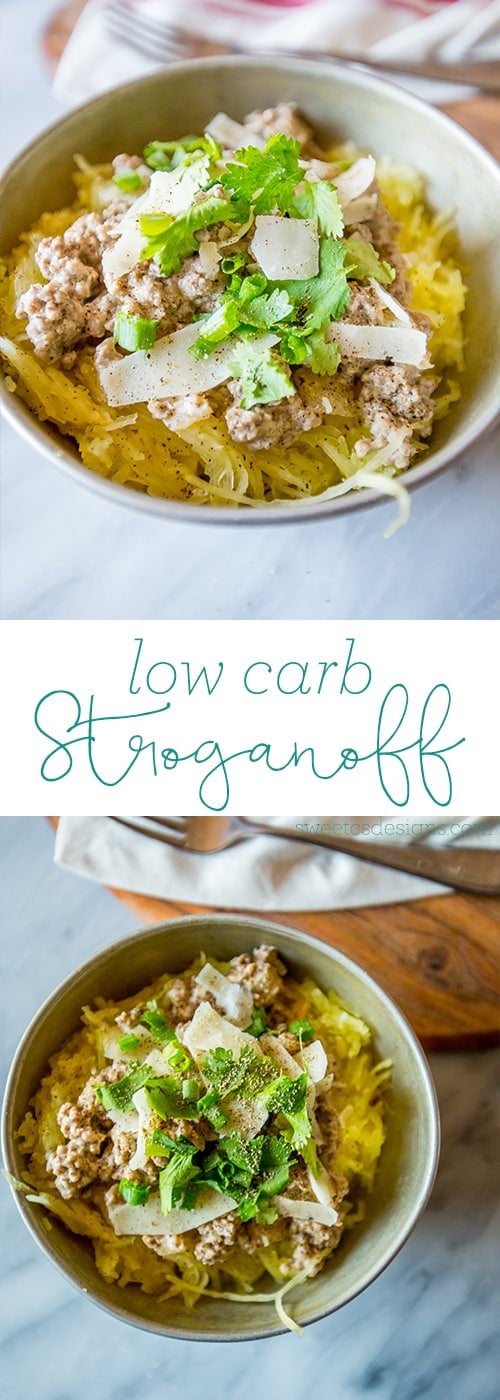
x,y
128,1042
134,332
153,224
128,180
119,1095
232,264
190,1089
157,1023
133,1193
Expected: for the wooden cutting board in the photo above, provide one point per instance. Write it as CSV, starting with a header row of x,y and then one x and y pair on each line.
x,y
439,958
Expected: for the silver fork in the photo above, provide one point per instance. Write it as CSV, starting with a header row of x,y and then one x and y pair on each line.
x,y
166,43
475,870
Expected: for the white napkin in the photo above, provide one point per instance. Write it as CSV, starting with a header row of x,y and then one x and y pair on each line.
x,y
261,873
447,29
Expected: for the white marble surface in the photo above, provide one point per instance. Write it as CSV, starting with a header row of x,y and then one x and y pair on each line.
x,y
67,553
426,1328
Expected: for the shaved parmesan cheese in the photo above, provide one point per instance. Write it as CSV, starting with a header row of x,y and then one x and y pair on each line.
x,y
322,1186
149,1220
231,135
209,258
277,1052
235,999
313,1058
359,210
209,1031
399,312
353,182
123,255
305,1210
170,192
148,1120
286,249
401,344
146,1051
128,1122
168,370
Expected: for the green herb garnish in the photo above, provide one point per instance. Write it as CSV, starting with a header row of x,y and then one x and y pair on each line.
x,y
303,1029
176,1175
263,379
128,1042
362,260
134,332
128,180
133,1193
119,1095
258,1023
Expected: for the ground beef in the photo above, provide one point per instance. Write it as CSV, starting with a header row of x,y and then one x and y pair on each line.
x,y
56,319
196,284
183,996
80,1160
262,973
284,118
128,1020
144,292
310,1243
364,306
181,412
392,397
271,425
166,1246
215,1240
57,310
407,393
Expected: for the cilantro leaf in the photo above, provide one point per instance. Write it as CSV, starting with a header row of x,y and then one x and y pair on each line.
x,y
178,241
288,1097
265,311
246,1154
303,1028
258,1023
319,200
324,359
157,1023
165,1097
263,378
119,1094
266,179
175,1176
321,299
363,261
167,155
276,1151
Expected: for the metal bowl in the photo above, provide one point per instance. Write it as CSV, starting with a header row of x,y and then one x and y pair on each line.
x,y
409,1157
341,102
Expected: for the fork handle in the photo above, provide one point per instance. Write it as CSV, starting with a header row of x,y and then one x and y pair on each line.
x,y
474,870
483,74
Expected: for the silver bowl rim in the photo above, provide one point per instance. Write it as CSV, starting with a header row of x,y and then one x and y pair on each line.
x,y
34,432
200,921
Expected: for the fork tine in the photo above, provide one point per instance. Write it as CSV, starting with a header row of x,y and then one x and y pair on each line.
x,y
168,839
172,823
155,52
136,21
156,42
